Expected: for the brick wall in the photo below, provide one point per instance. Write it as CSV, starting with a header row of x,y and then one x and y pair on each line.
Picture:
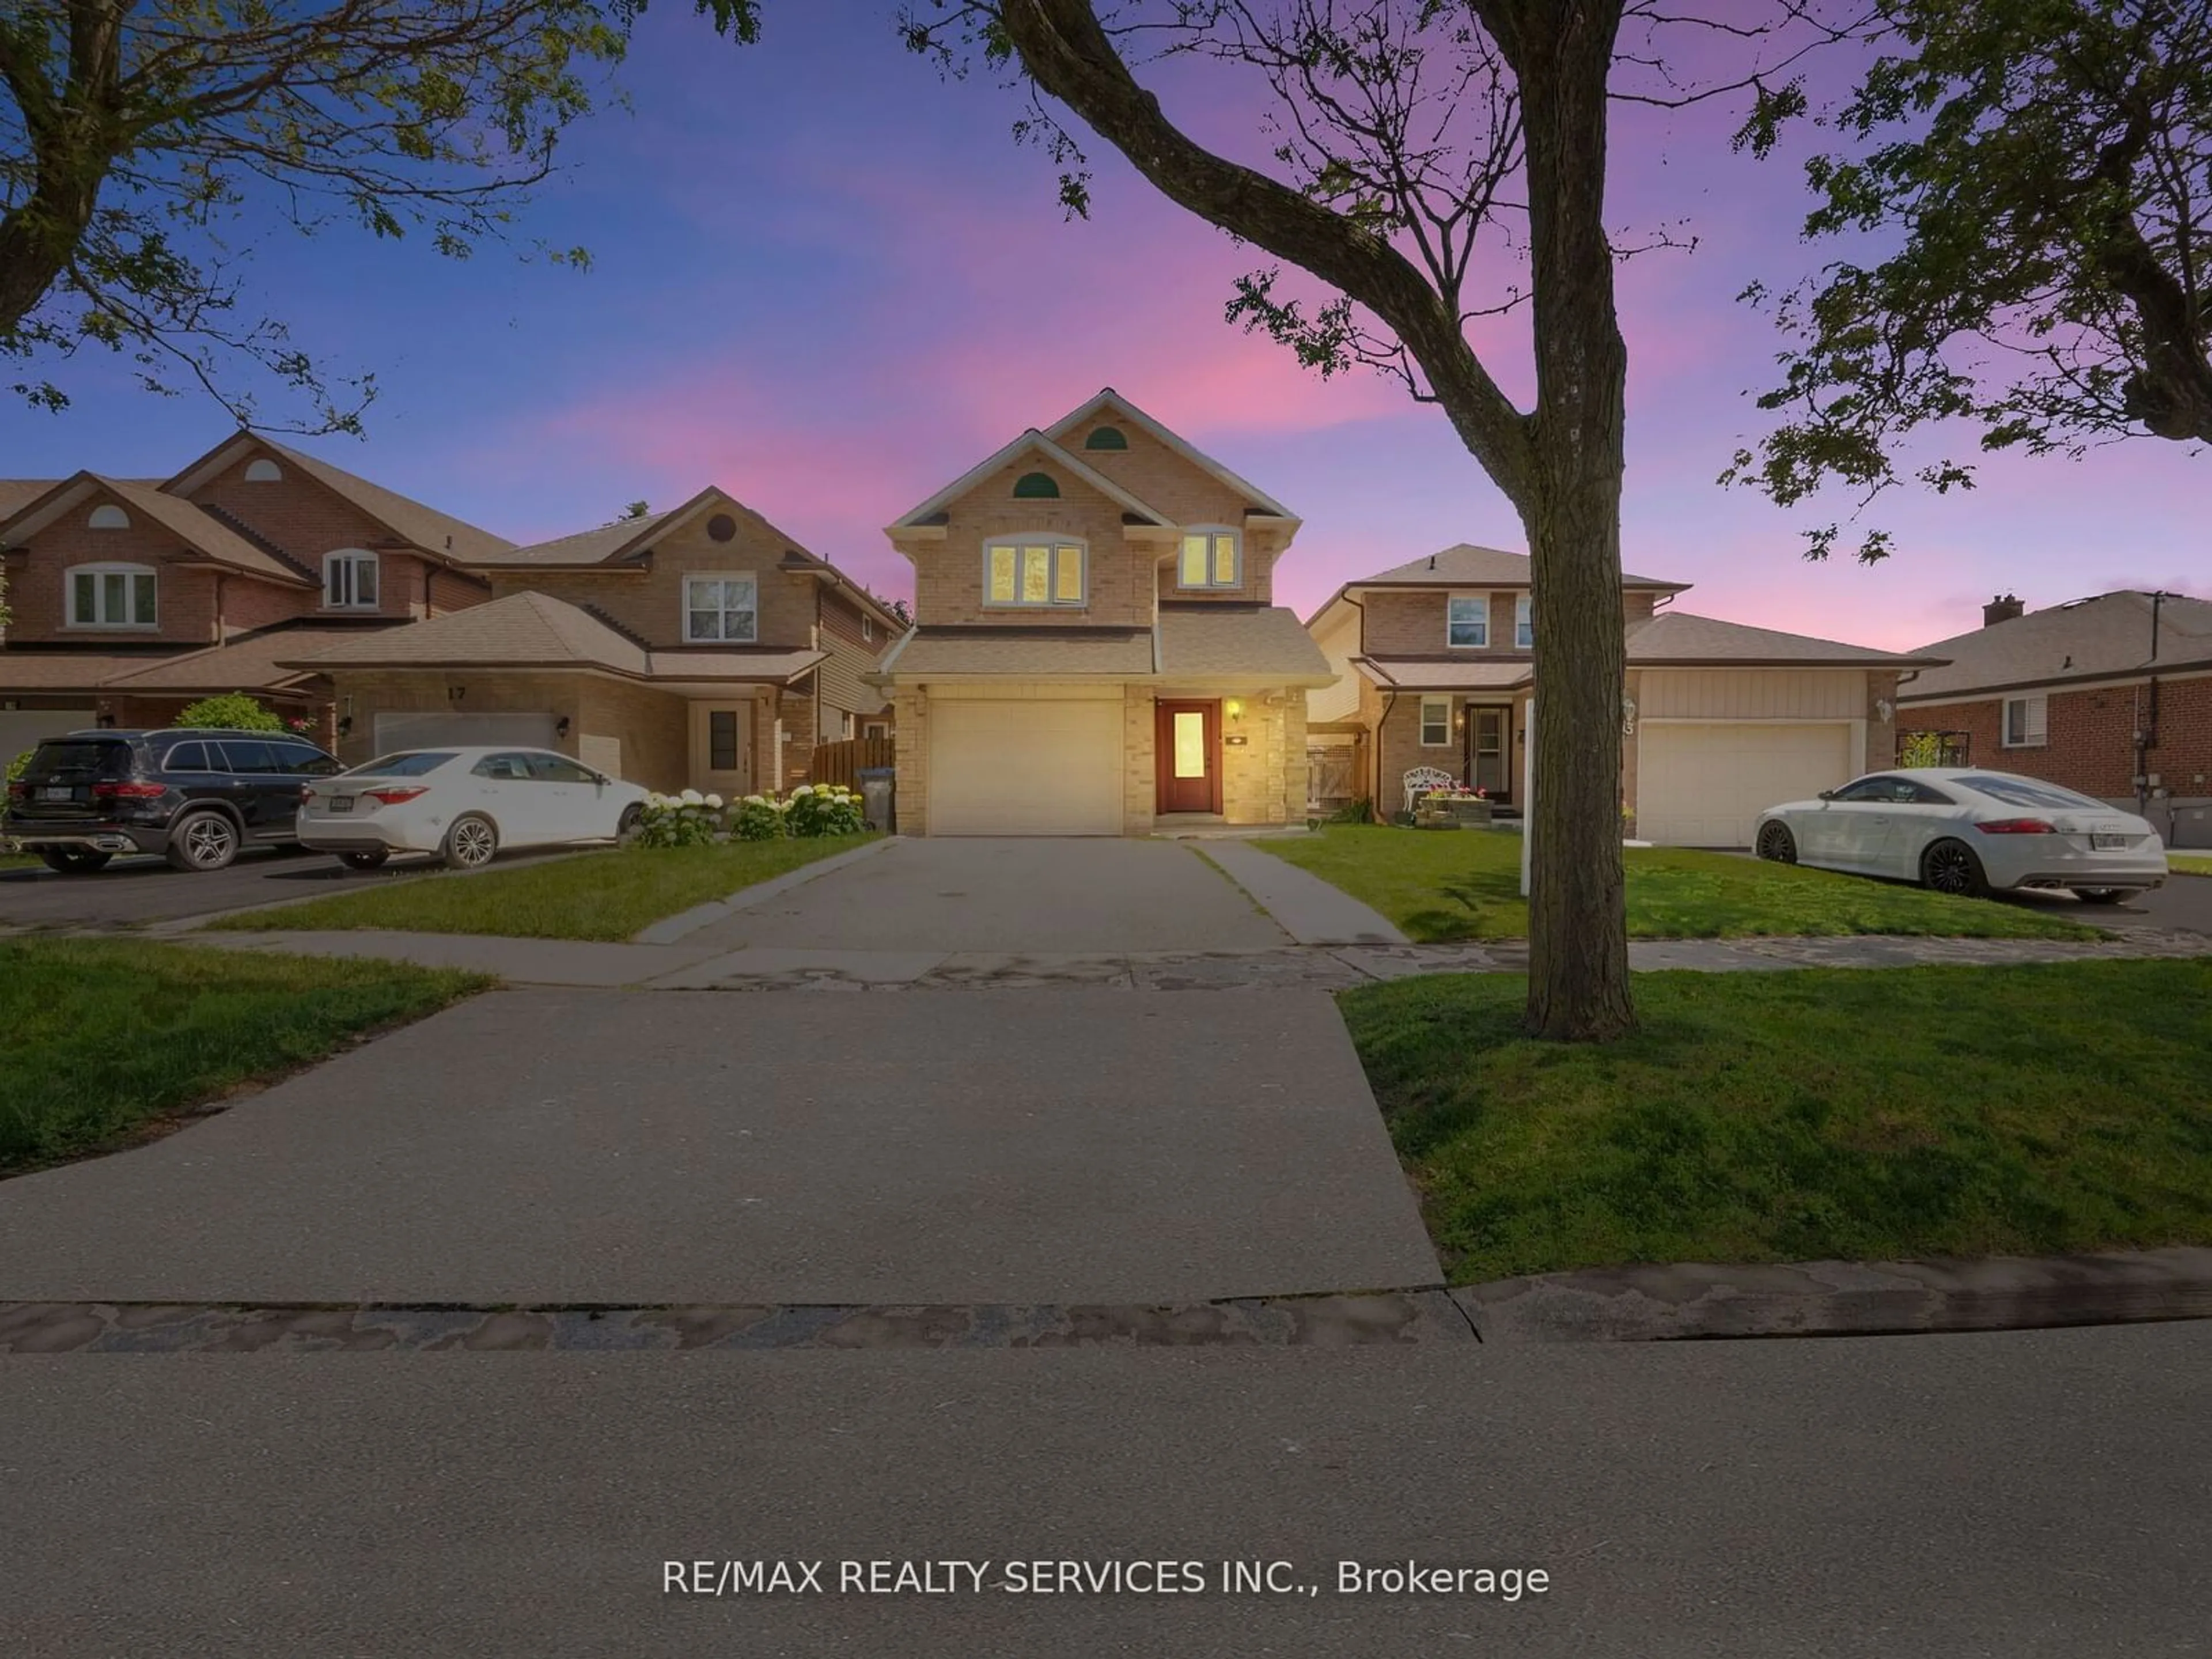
x,y
37,583
650,726
2090,737
910,710
650,605
949,585
1141,795
369,693
309,521
1412,624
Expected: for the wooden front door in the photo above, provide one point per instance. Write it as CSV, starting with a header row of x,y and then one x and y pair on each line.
x,y
1487,769
1186,750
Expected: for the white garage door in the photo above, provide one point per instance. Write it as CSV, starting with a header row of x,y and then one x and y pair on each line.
x,y
21,728
1706,786
1024,769
397,731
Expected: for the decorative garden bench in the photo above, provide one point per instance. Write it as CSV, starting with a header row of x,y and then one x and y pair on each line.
x,y
1456,812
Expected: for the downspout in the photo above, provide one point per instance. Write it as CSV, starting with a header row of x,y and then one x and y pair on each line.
x,y
2147,713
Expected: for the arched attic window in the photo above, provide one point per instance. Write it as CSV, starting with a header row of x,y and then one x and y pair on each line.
x,y
1106,437
1037,487
108,516
264,471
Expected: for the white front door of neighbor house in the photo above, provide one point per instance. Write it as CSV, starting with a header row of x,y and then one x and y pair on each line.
x,y
722,748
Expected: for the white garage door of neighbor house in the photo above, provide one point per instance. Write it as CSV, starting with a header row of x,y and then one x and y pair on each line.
x,y
1706,786
1024,769
21,728
397,731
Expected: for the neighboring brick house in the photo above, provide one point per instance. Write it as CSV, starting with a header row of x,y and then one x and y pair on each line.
x,y
1096,648
699,647
132,598
2110,695
1436,661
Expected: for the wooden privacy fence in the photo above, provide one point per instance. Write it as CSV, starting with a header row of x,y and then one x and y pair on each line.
x,y
840,763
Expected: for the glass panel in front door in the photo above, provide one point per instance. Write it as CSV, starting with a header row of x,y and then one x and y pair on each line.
x,y
1490,749
1189,743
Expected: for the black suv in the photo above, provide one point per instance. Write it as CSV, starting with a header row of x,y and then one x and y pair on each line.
x,y
197,796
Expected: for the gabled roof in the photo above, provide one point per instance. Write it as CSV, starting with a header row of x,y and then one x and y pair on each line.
x,y
1109,398
604,545
254,662
16,494
1031,442
1675,637
535,630
2097,638
438,534
1464,564
1227,641
197,530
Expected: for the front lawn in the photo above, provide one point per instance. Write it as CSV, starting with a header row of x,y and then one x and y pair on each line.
x,y
107,1037
1439,884
607,895
1800,1115
2190,864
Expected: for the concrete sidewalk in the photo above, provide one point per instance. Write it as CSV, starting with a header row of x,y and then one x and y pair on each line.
x,y
701,965
591,1146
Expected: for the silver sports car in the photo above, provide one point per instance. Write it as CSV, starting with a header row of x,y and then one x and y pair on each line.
x,y
1964,830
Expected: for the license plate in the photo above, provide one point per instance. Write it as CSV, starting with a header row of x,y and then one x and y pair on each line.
x,y
340,803
58,794
2100,842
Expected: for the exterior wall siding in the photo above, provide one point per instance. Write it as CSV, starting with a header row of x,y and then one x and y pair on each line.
x,y
1812,694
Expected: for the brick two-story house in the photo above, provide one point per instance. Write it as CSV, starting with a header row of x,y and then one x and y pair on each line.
x,y
1097,649
2110,695
132,598
696,649
1436,661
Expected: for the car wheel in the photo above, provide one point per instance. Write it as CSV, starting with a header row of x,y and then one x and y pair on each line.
x,y
370,858
1777,845
626,826
1950,866
203,842
470,843
74,861
2101,894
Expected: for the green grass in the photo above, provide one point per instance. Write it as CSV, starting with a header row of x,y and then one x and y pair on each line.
x,y
1466,884
108,1037
607,895
1799,1115
2191,864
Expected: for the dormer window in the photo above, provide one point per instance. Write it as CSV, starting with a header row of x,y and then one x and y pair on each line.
x,y
1037,487
108,516
1040,571
113,595
349,581
264,471
1466,620
1524,630
1209,559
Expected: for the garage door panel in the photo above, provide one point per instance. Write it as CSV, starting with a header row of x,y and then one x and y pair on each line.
x,y
523,731
1024,769
1704,785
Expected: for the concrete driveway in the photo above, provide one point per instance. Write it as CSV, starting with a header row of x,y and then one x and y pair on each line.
x,y
670,1147
1039,895
133,891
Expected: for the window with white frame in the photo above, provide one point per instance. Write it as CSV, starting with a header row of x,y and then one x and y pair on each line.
x,y
721,608
1435,722
1041,571
1210,558
113,595
2024,718
349,581
1524,630
1467,619
867,628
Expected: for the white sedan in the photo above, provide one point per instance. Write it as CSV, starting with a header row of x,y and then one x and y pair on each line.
x,y
463,805
1959,829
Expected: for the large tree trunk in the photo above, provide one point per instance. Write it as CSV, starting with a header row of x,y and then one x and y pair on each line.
x,y
1578,987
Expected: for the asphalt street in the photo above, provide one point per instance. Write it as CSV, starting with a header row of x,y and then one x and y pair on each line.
x,y
1996,1497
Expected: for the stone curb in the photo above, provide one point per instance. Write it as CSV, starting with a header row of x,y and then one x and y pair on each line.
x,y
1354,1320
1686,1301
669,929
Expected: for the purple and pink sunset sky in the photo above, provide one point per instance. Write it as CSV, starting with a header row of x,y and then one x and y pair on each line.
x,y
830,283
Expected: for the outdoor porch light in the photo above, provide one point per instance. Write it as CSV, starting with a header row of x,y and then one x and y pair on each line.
x,y
1235,709
561,727
345,724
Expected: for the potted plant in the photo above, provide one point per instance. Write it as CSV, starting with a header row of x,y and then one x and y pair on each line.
x,y
1457,805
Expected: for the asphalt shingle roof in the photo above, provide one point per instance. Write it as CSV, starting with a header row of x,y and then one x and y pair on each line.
x,y
2087,639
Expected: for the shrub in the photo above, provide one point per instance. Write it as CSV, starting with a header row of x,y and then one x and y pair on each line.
x,y
1353,811
690,819
233,709
830,809
759,817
